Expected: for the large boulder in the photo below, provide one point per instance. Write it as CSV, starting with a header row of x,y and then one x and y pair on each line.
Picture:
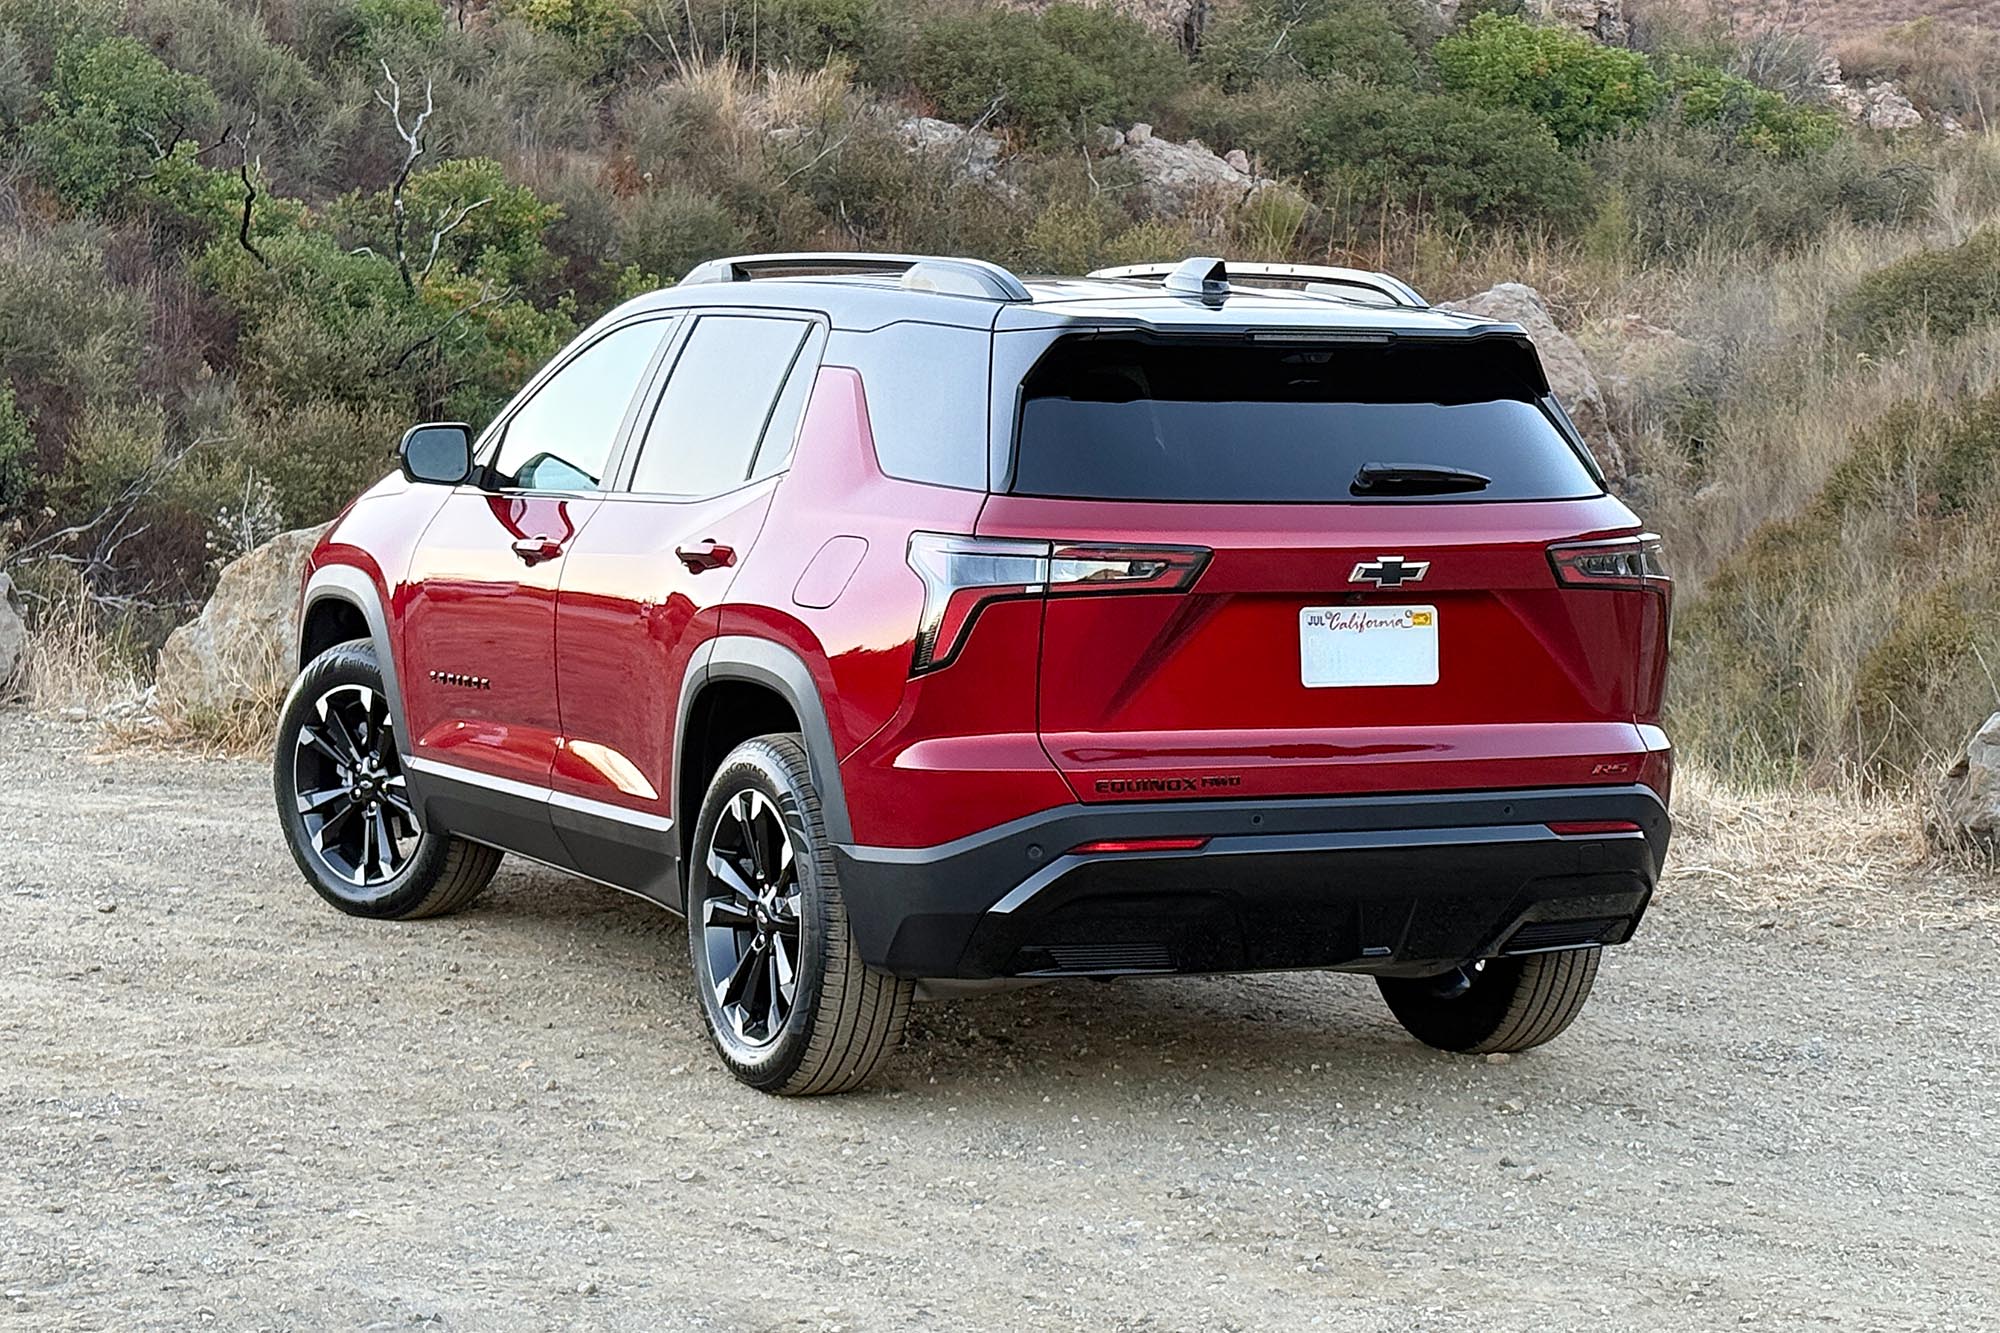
x,y
235,658
13,633
1568,369
1966,809
1177,178
972,153
1602,19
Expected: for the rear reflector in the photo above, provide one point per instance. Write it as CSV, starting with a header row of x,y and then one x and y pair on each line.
x,y
1591,828
963,574
1114,846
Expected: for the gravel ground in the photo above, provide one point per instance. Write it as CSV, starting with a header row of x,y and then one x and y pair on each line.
x,y
224,1104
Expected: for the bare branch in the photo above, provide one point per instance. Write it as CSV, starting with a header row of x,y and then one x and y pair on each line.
x,y
249,201
414,147
438,235
487,296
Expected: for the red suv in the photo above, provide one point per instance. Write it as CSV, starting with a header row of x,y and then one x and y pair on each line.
x,y
908,625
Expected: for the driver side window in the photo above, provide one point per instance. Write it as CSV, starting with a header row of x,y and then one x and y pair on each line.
x,y
560,439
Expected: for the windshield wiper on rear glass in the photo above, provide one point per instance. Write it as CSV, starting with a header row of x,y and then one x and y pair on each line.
x,y
1415,479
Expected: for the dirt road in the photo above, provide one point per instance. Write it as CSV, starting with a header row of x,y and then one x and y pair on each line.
x,y
223,1104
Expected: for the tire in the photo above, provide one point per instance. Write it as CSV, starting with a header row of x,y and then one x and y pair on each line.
x,y
1504,1004
336,739
758,910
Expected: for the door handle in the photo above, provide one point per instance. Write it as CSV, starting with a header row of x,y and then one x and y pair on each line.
x,y
534,550
705,555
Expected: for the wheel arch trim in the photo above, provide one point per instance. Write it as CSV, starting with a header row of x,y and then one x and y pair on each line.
x,y
765,662
346,583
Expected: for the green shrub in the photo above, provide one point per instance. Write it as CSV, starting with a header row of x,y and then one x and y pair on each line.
x,y
1052,76
1686,186
1753,117
596,30
113,109
1942,293
1370,41
1581,89
17,451
1438,154
671,228
486,226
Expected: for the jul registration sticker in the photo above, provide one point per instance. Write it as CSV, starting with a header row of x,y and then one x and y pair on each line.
x,y
1368,645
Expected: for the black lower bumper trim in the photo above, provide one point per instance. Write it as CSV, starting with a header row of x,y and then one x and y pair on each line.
x,y
1396,885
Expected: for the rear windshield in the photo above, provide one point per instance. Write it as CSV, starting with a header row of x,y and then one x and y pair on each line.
x,y
1115,417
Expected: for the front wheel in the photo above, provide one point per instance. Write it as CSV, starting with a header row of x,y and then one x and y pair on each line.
x,y
787,1001
345,806
1497,1004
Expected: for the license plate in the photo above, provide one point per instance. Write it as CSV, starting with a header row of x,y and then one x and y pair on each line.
x,y
1368,645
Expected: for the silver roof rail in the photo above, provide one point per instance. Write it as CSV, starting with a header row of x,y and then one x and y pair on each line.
x,y
923,273
1308,276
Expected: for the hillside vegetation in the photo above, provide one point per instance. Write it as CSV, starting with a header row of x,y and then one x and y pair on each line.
x,y
244,242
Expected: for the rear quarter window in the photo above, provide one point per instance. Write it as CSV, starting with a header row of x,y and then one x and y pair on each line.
x,y
926,387
1129,418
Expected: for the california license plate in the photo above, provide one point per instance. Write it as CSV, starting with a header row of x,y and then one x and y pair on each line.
x,y
1368,645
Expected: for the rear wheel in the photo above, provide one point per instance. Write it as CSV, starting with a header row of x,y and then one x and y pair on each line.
x,y
787,1001
346,808
1498,1004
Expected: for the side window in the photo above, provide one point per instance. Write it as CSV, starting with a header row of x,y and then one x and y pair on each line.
x,y
561,438
703,436
774,455
926,386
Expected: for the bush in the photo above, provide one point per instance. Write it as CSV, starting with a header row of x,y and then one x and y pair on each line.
x,y
487,226
113,109
1942,293
1687,186
669,229
17,452
1579,88
1369,41
1752,117
596,30
1438,154
1053,77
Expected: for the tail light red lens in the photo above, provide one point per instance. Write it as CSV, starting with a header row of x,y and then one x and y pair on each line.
x,y
1622,562
962,575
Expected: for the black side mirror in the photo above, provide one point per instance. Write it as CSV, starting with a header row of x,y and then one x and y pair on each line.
x,y
439,452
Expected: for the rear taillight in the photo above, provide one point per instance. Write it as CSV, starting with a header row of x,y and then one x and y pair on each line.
x,y
1621,562
963,574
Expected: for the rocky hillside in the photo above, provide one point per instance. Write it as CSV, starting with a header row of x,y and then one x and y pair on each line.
x,y
246,241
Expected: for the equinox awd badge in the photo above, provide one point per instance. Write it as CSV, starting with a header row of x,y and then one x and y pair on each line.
x,y
1389,571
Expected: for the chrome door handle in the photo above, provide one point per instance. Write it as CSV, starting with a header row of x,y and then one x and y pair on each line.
x,y
534,550
705,555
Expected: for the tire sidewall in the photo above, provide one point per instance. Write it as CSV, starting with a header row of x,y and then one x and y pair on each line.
x,y
758,765
343,664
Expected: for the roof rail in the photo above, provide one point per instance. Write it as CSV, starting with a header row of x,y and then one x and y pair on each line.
x,y
925,273
1306,275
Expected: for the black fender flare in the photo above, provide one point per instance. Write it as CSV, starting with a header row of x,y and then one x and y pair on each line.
x,y
345,583
777,668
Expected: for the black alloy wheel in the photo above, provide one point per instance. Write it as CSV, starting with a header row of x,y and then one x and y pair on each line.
x,y
750,922
347,779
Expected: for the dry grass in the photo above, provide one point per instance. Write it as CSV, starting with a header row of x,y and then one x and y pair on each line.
x,y
74,662
1837,855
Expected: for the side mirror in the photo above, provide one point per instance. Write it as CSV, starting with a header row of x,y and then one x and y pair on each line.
x,y
438,452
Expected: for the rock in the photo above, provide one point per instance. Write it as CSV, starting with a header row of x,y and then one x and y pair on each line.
x,y
1887,109
1569,371
1105,139
13,632
236,656
1829,84
1602,19
975,153
1174,178
1965,810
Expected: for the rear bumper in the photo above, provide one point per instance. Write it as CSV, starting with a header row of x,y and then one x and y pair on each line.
x,y
1395,885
